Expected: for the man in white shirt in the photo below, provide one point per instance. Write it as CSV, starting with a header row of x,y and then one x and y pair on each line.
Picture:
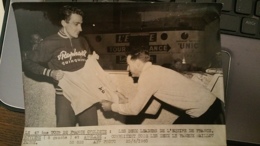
x,y
197,104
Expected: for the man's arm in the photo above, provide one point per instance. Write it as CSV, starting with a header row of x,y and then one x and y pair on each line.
x,y
40,70
146,88
40,54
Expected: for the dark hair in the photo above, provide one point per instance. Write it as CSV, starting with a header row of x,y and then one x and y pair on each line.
x,y
67,11
139,53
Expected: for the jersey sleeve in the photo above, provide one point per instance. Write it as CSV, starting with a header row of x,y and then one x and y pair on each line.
x,y
41,54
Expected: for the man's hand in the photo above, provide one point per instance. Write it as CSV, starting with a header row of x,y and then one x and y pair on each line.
x,y
106,105
122,98
57,74
95,55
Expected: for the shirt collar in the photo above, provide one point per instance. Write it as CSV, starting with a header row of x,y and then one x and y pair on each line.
x,y
147,65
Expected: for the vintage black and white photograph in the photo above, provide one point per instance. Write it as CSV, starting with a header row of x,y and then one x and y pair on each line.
x,y
100,64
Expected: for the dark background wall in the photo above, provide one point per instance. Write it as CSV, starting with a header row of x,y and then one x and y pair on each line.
x,y
114,18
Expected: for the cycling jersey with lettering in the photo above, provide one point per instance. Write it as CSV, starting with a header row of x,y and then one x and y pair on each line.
x,y
59,52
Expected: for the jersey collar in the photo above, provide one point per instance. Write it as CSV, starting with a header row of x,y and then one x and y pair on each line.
x,y
62,33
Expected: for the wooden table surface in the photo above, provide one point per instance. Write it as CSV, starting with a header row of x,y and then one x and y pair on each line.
x,y
11,127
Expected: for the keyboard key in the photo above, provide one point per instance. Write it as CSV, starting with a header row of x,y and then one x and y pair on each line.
x,y
257,9
250,26
227,4
244,6
230,23
205,1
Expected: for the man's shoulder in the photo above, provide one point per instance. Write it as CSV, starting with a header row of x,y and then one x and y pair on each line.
x,y
159,70
156,67
52,41
53,37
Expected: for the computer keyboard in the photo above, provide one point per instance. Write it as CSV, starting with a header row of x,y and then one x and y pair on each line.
x,y
241,17
238,17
